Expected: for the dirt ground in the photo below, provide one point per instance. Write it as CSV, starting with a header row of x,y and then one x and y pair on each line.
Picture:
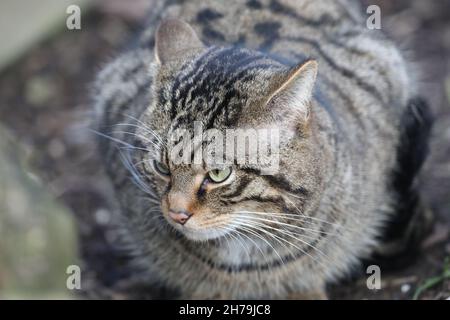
x,y
44,103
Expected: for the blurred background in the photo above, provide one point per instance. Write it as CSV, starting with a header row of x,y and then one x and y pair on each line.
x,y
55,208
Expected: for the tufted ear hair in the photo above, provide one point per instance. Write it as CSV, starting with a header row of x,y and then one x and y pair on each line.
x,y
291,94
173,39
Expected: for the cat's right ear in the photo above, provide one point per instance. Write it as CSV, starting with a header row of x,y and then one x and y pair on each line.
x,y
291,99
173,39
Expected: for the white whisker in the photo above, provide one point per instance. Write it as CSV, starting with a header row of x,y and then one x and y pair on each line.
x,y
295,236
136,177
243,213
144,126
292,244
278,229
290,216
262,238
254,243
117,140
158,147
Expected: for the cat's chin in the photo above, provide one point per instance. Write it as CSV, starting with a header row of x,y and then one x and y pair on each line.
x,y
202,234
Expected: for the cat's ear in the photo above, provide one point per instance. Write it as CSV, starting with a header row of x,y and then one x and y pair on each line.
x,y
292,92
174,38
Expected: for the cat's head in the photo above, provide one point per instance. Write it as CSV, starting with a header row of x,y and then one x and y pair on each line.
x,y
263,102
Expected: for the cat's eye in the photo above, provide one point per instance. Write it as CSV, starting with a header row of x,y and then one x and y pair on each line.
x,y
219,175
161,168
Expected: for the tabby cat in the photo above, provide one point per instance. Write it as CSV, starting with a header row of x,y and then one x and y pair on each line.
x,y
342,95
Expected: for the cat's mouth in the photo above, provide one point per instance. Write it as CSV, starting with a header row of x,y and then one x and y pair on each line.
x,y
192,231
202,234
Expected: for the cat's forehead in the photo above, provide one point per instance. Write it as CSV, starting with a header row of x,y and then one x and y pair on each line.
x,y
215,86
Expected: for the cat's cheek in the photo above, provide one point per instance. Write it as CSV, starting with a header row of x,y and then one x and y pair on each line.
x,y
161,186
165,207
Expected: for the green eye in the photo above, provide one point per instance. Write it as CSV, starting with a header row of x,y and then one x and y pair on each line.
x,y
219,175
161,168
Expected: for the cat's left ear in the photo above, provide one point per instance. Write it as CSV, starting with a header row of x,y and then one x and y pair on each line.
x,y
173,39
292,92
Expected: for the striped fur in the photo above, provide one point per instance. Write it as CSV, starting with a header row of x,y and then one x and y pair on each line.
x,y
334,175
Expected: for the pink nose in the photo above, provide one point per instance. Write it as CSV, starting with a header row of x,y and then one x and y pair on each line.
x,y
179,216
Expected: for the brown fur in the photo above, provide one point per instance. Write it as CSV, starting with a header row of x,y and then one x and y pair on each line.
x,y
340,133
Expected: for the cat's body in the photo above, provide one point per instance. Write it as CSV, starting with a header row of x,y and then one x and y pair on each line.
x,y
340,175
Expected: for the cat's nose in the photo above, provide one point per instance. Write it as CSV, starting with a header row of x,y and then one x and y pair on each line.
x,y
179,216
